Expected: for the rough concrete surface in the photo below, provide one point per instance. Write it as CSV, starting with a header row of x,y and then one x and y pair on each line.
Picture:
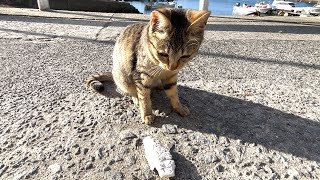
x,y
253,92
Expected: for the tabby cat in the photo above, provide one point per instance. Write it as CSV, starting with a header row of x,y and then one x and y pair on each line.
x,y
150,55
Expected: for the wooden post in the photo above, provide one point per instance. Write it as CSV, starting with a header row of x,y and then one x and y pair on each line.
x,y
43,5
204,5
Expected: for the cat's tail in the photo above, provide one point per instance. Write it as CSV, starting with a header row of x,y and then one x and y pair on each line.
x,y
96,81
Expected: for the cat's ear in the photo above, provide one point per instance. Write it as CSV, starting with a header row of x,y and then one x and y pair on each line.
x,y
198,19
160,20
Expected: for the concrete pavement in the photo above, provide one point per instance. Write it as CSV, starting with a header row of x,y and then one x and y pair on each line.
x,y
253,92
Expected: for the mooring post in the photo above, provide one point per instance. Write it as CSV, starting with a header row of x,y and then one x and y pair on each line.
x,y
204,5
43,5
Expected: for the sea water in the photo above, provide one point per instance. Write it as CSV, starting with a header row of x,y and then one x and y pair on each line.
x,y
217,7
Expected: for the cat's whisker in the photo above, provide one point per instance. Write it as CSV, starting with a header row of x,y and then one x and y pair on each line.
x,y
159,71
153,72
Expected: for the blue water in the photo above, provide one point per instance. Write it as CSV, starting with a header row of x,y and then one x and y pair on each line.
x,y
217,7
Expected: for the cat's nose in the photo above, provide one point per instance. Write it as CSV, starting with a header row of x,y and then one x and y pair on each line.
x,y
172,67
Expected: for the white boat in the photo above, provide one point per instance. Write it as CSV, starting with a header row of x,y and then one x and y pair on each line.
x,y
315,10
243,10
263,7
283,5
159,4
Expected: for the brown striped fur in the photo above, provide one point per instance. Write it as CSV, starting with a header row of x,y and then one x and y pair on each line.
x,y
150,55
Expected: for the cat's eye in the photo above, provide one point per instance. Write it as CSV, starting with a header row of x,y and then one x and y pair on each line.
x,y
185,56
163,54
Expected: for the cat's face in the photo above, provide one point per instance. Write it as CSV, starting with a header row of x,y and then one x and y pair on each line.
x,y
175,36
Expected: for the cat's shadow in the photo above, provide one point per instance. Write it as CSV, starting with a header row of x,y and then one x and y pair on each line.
x,y
239,119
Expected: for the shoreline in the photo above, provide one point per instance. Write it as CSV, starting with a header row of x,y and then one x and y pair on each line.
x,y
102,15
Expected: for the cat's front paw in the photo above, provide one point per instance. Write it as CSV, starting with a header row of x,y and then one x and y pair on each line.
x,y
148,119
183,110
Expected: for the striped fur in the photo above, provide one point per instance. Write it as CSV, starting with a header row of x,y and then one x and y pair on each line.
x,y
150,55
96,81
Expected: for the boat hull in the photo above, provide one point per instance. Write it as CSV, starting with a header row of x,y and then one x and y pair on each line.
x,y
160,5
243,11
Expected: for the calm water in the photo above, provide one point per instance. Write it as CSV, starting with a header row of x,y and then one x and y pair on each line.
x,y
217,7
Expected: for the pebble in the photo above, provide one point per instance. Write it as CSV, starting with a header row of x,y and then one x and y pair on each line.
x,y
71,165
92,158
169,128
194,149
3,169
224,140
273,176
77,151
118,158
88,122
112,161
85,151
130,160
219,168
117,176
55,168
293,172
127,135
99,153
209,158
33,171
68,157
107,168
130,113
88,165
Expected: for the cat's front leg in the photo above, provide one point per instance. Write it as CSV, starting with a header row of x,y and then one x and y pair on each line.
x,y
170,87
145,103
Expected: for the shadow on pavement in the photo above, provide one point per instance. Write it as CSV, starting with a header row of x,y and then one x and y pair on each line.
x,y
238,119
184,167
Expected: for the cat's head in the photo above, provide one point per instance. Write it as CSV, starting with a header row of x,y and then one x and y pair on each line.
x,y
175,35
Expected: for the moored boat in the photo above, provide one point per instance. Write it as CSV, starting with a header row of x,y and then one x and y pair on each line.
x,y
283,5
314,10
263,7
243,10
160,4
